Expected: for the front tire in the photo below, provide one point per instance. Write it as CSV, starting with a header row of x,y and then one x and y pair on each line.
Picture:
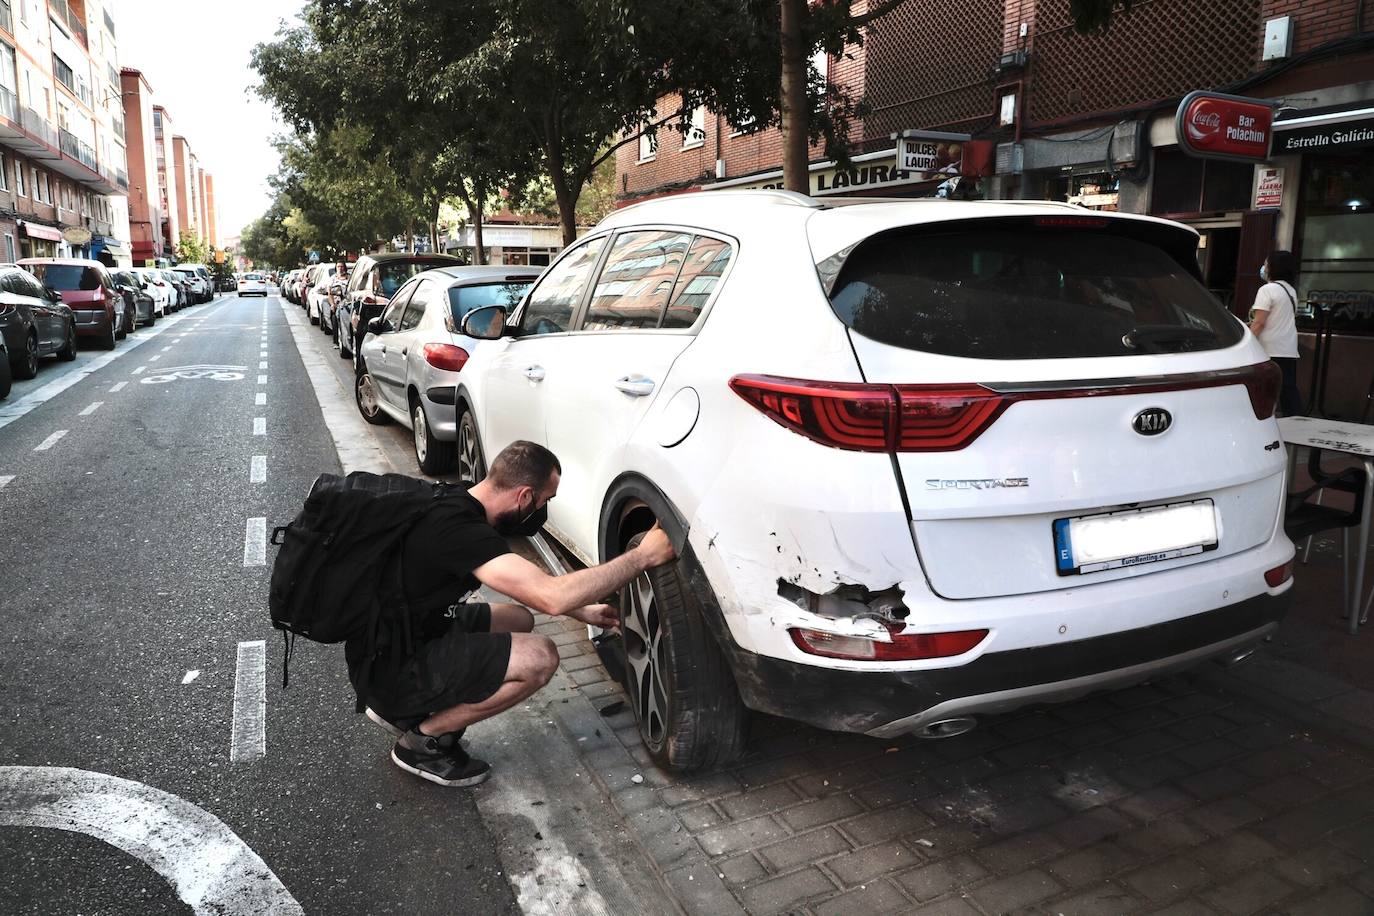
x,y
365,395
5,377
685,701
433,456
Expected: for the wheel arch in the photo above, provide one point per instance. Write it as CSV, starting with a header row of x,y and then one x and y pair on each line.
x,y
635,499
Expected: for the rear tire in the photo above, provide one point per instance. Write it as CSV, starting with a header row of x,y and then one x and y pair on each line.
x,y
26,365
108,341
365,395
685,701
68,352
432,455
5,376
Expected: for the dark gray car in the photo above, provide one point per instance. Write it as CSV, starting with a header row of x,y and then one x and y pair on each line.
x,y
34,322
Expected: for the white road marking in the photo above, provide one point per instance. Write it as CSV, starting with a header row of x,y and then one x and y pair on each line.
x,y
155,357
117,386
257,469
255,542
191,675
261,399
165,349
5,479
208,866
262,380
263,364
91,409
50,441
139,371
248,738
259,426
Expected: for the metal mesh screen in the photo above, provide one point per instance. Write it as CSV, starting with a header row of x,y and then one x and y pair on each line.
x,y
930,66
1161,49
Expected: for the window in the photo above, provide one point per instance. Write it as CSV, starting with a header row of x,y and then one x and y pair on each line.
x,y
391,274
9,248
463,299
820,65
68,276
551,306
415,310
63,73
696,129
19,179
637,282
1012,291
392,315
5,174
648,145
700,274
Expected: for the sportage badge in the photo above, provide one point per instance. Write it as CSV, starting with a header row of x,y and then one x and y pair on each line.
x,y
1152,421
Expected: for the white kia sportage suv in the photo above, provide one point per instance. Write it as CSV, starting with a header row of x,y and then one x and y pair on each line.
x,y
923,460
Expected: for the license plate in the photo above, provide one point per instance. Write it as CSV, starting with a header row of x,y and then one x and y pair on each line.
x,y
1133,537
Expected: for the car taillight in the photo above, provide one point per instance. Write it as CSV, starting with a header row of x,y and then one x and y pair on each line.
x,y
875,418
445,356
900,648
1263,382
369,299
1279,574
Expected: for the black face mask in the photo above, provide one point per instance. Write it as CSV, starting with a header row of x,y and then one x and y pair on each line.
x,y
512,525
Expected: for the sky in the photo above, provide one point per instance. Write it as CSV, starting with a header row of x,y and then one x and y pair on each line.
x,y
195,54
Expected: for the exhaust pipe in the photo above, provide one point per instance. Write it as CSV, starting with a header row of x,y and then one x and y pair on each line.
x,y
947,728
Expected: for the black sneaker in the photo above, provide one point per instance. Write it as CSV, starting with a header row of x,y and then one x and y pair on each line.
x,y
394,727
439,759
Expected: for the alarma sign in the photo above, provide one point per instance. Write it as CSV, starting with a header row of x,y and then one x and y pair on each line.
x,y
1216,126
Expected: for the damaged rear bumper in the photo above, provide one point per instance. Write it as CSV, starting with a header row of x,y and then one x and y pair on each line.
x,y
889,703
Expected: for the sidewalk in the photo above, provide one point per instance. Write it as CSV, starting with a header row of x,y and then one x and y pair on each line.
x,y
1220,791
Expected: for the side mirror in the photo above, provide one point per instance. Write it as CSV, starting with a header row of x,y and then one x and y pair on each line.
x,y
485,323
378,325
52,294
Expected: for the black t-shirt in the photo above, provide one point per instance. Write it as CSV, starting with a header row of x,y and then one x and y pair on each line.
x,y
444,548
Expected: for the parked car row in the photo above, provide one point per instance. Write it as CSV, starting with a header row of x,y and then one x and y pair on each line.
x,y
48,304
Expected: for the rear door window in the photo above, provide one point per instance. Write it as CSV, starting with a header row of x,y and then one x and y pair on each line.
x,y
637,282
552,303
415,309
394,309
1027,293
701,273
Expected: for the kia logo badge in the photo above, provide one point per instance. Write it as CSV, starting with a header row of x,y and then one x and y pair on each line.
x,y
1152,421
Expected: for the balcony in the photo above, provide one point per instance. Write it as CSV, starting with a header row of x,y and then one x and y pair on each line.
x,y
37,126
77,149
9,105
122,178
62,13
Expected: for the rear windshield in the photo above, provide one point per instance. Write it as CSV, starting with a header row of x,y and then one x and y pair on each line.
x,y
463,299
252,277
1042,294
391,274
66,276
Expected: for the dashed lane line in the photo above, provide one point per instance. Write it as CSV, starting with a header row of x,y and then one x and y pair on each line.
x,y
262,364
255,542
155,357
139,371
165,349
50,441
257,469
259,426
261,399
91,409
117,386
5,480
262,380
248,735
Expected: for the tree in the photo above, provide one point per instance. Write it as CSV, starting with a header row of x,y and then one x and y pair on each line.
x,y
190,249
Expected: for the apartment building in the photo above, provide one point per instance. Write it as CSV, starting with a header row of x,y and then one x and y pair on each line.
x,y
169,189
184,162
145,206
62,154
211,219
1015,103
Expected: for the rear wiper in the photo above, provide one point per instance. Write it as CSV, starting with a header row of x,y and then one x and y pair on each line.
x,y
1149,337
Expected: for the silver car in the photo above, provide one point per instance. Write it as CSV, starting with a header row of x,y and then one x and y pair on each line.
x,y
410,359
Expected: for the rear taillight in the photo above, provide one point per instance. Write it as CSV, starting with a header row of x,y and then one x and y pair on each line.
x,y
369,299
1263,382
875,418
445,356
1279,574
900,647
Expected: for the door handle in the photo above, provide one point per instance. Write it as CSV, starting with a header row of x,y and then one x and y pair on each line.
x,y
405,350
534,373
635,385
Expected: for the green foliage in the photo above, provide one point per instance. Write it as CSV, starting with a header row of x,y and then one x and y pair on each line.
x,y
190,249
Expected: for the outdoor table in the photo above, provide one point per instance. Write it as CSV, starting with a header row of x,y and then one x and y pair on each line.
x,y
1351,439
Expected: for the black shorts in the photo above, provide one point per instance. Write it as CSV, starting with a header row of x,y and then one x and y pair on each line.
x,y
463,663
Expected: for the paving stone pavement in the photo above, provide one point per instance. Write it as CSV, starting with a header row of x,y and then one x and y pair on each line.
x,y
1182,796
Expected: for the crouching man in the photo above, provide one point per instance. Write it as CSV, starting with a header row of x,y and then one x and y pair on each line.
x,y
473,660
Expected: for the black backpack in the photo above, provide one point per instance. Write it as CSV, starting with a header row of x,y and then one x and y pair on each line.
x,y
338,575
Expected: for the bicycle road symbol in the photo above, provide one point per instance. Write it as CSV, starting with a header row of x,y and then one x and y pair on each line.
x,y
213,373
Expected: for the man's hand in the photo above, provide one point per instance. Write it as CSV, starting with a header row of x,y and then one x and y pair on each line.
x,y
656,549
598,615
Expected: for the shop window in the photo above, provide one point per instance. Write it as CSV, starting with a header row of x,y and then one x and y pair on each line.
x,y
1187,184
1335,240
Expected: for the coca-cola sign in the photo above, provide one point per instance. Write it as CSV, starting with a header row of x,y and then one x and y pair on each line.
x,y
1217,126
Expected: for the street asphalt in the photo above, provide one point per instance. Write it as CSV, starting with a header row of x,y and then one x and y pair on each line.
x,y
125,597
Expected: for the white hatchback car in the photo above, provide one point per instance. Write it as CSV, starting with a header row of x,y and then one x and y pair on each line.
x,y
252,284
923,460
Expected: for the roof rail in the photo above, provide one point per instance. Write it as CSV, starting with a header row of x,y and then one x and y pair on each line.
x,y
784,198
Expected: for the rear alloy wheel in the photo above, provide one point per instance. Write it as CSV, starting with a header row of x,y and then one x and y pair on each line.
x,y
68,351
472,465
433,455
5,376
365,393
27,364
684,696
108,341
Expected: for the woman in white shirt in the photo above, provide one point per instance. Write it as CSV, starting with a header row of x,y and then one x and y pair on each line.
x,y
1274,321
